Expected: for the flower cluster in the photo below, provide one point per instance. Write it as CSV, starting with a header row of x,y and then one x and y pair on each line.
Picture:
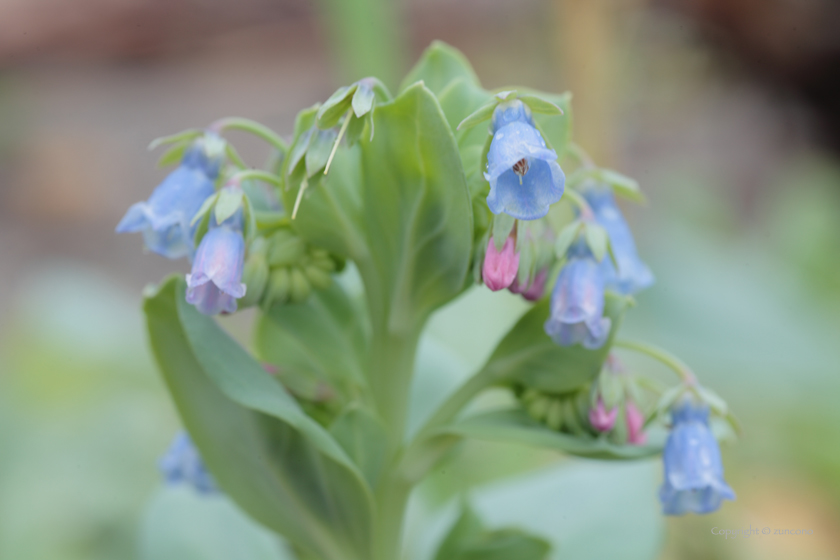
x,y
525,246
414,210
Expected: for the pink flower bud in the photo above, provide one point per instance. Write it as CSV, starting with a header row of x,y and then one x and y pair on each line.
x,y
600,419
500,268
635,423
534,290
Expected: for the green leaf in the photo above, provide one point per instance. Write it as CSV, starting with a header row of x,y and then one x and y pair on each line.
x,y
597,238
469,540
324,338
480,115
567,236
515,426
541,106
399,206
440,65
527,355
587,510
229,201
180,524
365,440
333,108
275,462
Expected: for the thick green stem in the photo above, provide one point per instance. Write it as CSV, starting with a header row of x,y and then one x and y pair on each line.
x,y
391,500
390,373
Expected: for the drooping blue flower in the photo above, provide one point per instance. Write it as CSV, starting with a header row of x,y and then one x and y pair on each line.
x,y
216,279
524,176
165,218
182,464
693,469
632,275
577,302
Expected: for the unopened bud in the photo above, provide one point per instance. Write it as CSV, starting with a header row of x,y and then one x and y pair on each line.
x,y
500,267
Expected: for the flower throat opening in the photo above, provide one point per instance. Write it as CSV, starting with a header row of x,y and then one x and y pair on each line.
x,y
521,168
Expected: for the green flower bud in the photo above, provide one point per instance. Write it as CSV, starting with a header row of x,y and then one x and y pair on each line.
x,y
554,416
255,276
539,407
286,249
299,288
317,277
279,285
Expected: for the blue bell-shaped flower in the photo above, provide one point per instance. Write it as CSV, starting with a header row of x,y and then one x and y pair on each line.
x,y
216,279
693,469
577,302
524,176
181,464
632,275
165,218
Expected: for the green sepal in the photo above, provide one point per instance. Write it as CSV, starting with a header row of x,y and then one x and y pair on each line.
x,y
567,236
502,226
185,136
539,105
330,113
621,184
229,201
363,100
205,208
597,239
173,154
318,151
483,113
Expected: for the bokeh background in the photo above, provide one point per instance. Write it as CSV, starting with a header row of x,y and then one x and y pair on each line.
x,y
726,111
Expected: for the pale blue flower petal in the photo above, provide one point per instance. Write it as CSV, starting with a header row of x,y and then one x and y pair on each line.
x,y
693,468
182,464
577,302
215,282
165,218
632,275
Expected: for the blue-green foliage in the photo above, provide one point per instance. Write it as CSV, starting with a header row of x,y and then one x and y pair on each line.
x,y
308,434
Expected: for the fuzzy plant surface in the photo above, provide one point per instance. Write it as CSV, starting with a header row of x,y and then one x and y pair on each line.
x,y
422,195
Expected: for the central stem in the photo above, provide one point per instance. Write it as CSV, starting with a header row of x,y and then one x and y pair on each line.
x,y
390,372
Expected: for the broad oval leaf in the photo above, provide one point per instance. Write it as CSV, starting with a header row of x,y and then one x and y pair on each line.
x,y
275,462
527,355
398,206
324,339
180,524
440,65
515,426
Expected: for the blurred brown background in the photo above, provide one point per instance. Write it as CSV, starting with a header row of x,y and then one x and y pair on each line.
x,y
726,111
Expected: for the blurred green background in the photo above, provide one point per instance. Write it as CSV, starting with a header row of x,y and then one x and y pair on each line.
x,y
725,111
